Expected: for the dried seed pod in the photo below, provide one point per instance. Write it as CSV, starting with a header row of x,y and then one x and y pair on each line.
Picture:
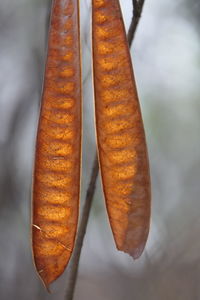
x,y
58,149
120,133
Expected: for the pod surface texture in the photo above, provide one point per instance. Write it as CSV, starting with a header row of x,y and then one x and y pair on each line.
x,y
58,147
120,133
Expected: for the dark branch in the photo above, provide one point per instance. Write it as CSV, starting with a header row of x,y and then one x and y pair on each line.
x,y
81,231
137,11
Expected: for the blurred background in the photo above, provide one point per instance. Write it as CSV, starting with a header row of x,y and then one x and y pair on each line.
x,y
166,57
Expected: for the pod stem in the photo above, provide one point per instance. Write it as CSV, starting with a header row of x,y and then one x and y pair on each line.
x,y
73,268
137,12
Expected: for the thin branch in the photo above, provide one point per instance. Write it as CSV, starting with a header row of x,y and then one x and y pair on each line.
x,y
81,231
73,272
137,11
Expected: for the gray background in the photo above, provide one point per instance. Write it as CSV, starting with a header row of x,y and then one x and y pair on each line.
x,y
166,57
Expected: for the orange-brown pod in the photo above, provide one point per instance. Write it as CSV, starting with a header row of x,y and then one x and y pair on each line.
x,y
58,148
120,133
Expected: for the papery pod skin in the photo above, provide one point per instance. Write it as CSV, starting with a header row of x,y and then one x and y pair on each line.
x,y
58,147
120,133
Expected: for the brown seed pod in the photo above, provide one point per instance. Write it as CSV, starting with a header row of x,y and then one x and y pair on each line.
x,y
58,149
120,133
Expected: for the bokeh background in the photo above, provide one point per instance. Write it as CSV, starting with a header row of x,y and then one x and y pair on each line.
x,y
166,57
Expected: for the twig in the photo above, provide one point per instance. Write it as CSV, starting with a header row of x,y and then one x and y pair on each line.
x,y
137,10
81,231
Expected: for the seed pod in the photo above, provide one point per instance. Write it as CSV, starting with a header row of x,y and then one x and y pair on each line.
x,y
58,149
120,133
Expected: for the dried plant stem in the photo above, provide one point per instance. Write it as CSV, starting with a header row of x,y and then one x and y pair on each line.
x,y
137,11
73,271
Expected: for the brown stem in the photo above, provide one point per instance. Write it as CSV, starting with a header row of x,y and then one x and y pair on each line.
x,y
137,11
73,271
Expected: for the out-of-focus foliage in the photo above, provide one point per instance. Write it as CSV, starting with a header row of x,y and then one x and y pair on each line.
x,y
166,55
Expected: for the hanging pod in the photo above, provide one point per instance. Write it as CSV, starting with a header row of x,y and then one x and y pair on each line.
x,y
58,148
120,133
120,137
